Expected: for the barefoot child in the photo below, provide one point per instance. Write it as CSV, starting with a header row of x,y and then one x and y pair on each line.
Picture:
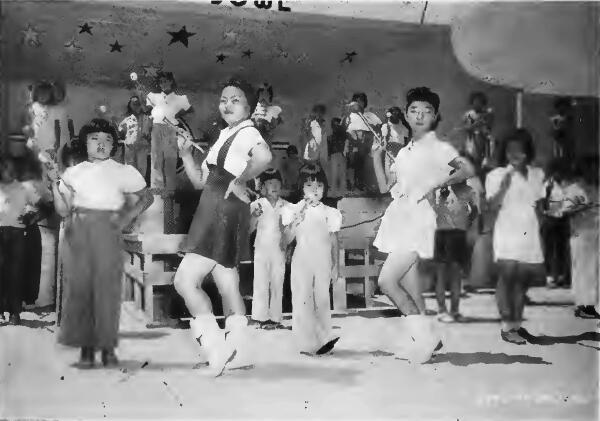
x,y
314,263
269,254
98,198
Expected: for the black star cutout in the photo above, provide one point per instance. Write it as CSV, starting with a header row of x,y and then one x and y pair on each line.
x,y
349,57
85,28
182,36
221,58
116,47
247,53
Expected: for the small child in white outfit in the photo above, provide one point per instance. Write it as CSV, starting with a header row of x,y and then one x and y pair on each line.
x,y
314,263
269,251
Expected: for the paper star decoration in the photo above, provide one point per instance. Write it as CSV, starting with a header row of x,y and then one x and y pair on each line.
x,y
181,36
230,35
31,36
221,58
247,53
151,70
116,47
349,57
72,46
85,28
281,51
302,57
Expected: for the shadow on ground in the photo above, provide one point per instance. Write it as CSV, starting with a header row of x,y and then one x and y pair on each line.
x,y
464,359
553,340
142,335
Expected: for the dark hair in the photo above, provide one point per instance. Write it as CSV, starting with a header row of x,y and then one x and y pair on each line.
x,y
319,109
360,96
292,149
336,122
395,110
129,110
97,125
26,166
560,169
562,102
423,94
478,95
165,75
44,86
247,89
269,174
312,172
521,136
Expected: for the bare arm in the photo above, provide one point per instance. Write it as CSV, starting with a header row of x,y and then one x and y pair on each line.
x,y
462,170
135,204
260,158
335,255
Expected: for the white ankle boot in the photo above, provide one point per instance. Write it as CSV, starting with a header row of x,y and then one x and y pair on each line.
x,y
421,338
237,339
212,340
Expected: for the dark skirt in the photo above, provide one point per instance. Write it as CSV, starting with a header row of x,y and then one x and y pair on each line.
x,y
12,263
93,267
451,247
219,230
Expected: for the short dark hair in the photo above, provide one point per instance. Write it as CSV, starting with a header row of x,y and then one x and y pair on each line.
x,y
562,101
319,109
97,125
129,110
246,88
312,172
269,174
478,95
521,136
360,95
165,75
423,94
43,86
292,149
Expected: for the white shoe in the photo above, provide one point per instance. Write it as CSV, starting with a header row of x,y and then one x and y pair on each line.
x,y
212,341
424,338
237,340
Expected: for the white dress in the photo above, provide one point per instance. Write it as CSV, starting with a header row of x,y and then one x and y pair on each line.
x,y
517,230
409,225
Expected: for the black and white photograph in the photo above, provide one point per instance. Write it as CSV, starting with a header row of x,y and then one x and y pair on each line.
x,y
299,209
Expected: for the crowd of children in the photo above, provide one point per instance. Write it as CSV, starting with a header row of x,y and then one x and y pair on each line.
x,y
438,199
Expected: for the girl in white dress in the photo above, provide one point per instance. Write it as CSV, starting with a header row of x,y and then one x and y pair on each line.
x,y
408,226
514,191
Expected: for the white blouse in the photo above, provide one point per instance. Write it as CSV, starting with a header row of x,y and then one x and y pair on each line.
x,y
101,185
420,166
239,153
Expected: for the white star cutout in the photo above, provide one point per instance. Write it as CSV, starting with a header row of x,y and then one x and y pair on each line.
x,y
72,46
31,36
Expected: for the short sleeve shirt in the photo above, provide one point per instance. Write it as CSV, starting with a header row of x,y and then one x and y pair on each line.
x,y
102,185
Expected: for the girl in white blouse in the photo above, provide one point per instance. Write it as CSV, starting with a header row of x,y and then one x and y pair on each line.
x,y
408,226
515,191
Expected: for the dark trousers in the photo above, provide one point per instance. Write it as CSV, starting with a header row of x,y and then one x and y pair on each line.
x,y
12,263
33,266
556,233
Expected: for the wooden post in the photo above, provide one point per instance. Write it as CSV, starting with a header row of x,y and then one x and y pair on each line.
x,y
519,109
339,287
